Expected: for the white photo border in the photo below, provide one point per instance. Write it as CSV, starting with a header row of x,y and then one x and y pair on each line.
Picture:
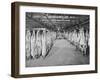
x,y
53,69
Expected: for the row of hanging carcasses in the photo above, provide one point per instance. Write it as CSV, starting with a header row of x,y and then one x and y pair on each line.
x,y
38,42
80,39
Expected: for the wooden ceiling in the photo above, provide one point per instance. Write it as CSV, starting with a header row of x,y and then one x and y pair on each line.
x,y
55,21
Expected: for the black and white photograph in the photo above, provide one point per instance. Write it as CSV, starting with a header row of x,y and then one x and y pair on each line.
x,y
52,39
56,39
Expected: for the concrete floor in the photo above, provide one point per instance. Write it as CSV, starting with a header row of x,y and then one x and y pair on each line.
x,y
62,53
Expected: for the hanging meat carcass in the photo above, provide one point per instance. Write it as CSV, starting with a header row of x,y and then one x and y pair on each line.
x,y
39,44
33,39
27,43
82,41
44,44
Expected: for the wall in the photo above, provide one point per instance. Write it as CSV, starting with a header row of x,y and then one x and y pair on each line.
x,y
5,40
